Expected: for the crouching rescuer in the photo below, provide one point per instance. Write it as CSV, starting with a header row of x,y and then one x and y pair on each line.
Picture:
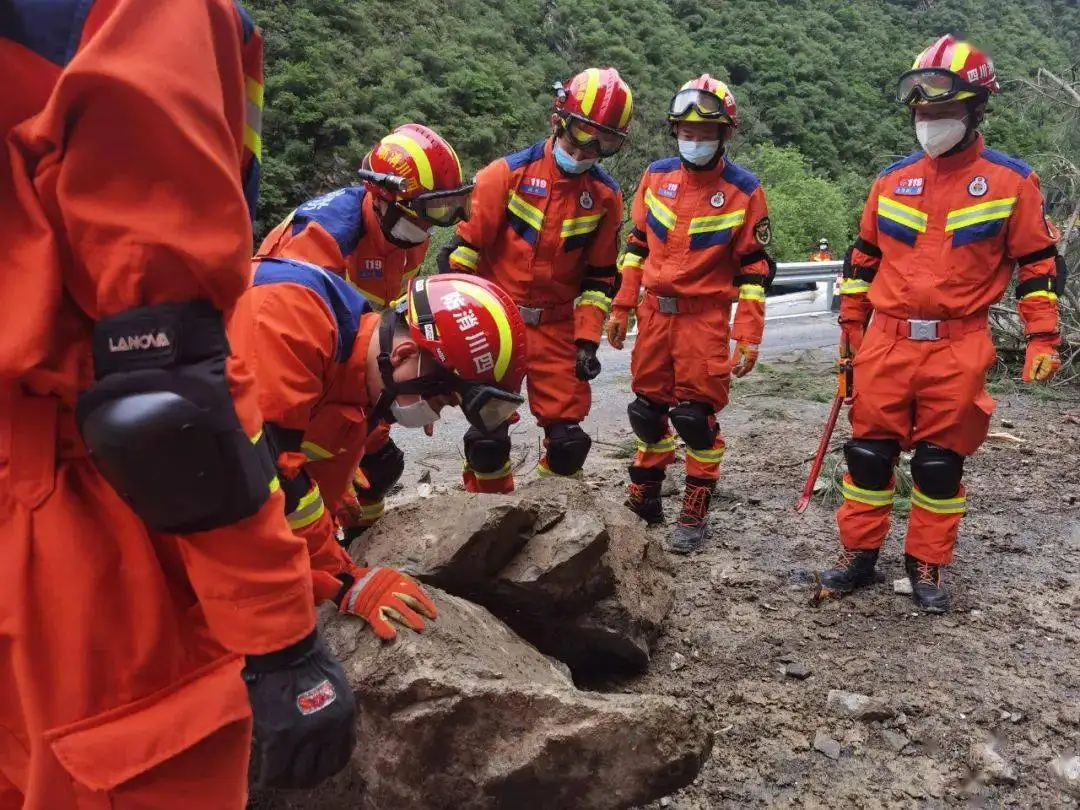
x,y
700,228
940,235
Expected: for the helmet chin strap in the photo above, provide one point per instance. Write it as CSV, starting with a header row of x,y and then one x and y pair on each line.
x,y
424,386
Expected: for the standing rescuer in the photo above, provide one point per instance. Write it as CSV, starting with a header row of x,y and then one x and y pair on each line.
x,y
940,235
700,228
544,226
376,236
146,551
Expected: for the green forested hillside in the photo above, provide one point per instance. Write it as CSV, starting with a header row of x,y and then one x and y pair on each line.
x,y
814,77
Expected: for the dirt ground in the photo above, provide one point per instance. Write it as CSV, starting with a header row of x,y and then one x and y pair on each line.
x,y
1004,665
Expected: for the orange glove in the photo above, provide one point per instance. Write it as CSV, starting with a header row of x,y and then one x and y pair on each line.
x,y
851,337
617,326
381,594
746,355
1041,361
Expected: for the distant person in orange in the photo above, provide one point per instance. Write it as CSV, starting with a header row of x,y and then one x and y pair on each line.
x,y
700,228
148,568
545,226
940,235
376,235
822,254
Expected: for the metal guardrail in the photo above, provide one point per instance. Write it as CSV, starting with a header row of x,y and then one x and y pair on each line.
x,y
811,273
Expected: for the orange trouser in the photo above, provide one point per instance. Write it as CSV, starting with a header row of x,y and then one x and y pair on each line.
x,y
917,391
682,357
555,394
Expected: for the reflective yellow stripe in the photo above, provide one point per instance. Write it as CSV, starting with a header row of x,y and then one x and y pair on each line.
x,y
253,141
465,256
663,446
595,298
253,117
372,511
592,84
664,214
939,506
983,212
751,292
871,497
632,260
714,456
275,484
961,52
1040,294
531,214
314,452
903,214
627,109
853,286
544,471
500,473
580,225
717,223
310,509
254,91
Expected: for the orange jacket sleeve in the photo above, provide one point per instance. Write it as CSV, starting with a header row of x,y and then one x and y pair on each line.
x,y
601,273
477,234
753,272
633,258
1032,243
150,112
859,272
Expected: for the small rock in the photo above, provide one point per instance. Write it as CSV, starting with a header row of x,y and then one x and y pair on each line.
x,y
665,802
798,671
424,490
901,719
1067,773
895,740
1007,423
826,745
856,706
678,661
425,477
1070,715
989,766
902,585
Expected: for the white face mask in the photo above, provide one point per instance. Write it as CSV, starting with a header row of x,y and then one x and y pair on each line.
x,y
938,136
698,152
416,414
408,231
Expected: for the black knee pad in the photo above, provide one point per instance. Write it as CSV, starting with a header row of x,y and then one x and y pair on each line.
x,y
383,469
691,422
647,419
871,461
487,452
567,448
936,471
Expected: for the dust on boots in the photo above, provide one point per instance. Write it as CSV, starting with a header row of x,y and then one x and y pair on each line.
x,y
643,495
926,585
693,525
854,569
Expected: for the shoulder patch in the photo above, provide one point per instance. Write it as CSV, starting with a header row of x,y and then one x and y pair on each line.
x,y
1009,162
914,157
51,29
598,172
345,303
339,213
668,164
524,157
743,179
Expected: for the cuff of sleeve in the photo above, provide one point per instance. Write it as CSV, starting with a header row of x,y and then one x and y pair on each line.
x,y
1040,316
588,322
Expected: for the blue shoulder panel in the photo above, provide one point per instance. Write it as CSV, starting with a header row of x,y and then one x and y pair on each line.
x,y
598,172
245,21
743,179
668,164
345,302
1001,159
50,28
903,163
529,154
340,213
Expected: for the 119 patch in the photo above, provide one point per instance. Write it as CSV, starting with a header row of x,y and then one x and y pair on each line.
x,y
763,231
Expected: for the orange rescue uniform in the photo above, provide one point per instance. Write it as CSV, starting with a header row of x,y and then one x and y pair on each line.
x,y
697,244
937,246
551,241
120,676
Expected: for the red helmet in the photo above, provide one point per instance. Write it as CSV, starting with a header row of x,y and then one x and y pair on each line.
x,y
704,99
596,106
416,169
948,71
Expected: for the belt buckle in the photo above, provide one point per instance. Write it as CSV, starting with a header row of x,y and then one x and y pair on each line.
x,y
531,315
667,304
923,330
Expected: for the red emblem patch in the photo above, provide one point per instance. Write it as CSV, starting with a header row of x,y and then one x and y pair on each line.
x,y
316,699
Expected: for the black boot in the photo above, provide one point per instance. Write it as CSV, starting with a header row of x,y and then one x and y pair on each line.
x,y
643,494
854,569
926,587
694,518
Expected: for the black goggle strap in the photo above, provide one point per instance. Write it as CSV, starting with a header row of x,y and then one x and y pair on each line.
x,y
386,368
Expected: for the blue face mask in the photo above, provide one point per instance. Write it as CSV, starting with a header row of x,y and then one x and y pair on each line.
x,y
569,164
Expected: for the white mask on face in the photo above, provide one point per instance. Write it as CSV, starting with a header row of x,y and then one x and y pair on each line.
x,y
938,136
698,152
416,414
410,232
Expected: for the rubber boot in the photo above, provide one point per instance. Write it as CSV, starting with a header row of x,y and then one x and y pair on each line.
x,y
926,587
694,518
854,569
643,494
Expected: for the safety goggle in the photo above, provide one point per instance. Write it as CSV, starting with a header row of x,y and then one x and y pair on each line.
x,y
587,134
447,207
931,85
707,105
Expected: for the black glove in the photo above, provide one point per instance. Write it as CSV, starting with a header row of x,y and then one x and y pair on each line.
x,y
588,367
305,715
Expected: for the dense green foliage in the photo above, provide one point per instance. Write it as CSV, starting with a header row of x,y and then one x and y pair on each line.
x,y
814,77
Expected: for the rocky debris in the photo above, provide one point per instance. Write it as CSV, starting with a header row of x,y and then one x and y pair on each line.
x,y
798,671
1067,773
468,716
856,707
678,661
902,585
826,745
988,766
572,573
896,741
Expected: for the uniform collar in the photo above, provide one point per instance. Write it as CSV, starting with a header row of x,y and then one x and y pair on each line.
x,y
704,174
962,158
